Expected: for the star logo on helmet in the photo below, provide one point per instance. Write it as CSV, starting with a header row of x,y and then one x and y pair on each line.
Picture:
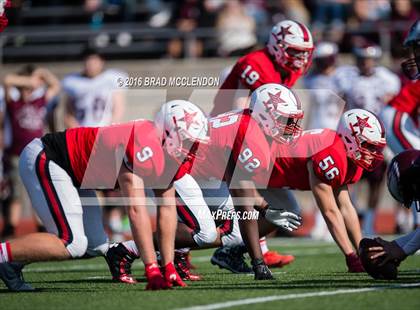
x,y
284,31
275,100
189,119
362,123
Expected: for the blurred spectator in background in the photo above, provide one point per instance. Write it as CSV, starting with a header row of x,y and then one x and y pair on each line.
x,y
403,12
188,15
236,30
330,16
369,86
26,95
367,14
94,99
290,9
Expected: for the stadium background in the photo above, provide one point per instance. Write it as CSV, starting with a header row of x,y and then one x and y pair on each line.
x,y
156,38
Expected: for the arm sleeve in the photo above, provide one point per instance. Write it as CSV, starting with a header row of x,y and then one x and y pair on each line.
x,y
410,243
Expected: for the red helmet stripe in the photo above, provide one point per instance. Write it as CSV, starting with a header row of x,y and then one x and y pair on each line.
x,y
305,32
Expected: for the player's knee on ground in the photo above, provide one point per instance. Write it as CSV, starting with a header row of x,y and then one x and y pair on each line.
x,y
78,247
206,236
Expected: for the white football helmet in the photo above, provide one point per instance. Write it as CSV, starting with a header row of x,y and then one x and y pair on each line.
x,y
278,111
181,124
292,45
363,135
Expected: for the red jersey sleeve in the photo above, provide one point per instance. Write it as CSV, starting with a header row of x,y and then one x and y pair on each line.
x,y
330,164
408,100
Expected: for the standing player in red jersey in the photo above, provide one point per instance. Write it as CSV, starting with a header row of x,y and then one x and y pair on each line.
x,y
62,169
402,116
325,162
284,60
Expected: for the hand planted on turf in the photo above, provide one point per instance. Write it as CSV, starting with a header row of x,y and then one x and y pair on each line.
x,y
391,251
282,218
172,277
261,270
155,280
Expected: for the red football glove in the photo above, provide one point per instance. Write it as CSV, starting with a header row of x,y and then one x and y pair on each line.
x,y
155,280
172,277
353,263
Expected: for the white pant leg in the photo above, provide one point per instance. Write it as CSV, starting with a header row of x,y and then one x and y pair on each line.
x,y
98,242
194,212
54,197
220,199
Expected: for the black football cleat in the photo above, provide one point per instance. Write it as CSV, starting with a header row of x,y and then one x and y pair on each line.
x,y
261,270
182,266
119,260
231,258
11,274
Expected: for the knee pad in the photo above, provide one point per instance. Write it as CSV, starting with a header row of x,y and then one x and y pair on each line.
x,y
77,248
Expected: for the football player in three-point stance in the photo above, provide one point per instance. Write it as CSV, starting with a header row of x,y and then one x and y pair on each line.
x,y
286,58
61,169
332,160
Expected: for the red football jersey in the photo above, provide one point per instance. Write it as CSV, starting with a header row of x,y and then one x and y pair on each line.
x,y
408,100
96,153
250,72
328,155
237,145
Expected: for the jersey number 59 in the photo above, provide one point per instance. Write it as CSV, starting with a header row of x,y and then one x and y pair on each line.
x,y
325,165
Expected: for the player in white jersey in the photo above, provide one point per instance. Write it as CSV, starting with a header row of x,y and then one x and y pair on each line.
x,y
370,87
367,85
326,106
93,96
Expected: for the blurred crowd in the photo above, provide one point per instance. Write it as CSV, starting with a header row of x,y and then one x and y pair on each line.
x,y
240,24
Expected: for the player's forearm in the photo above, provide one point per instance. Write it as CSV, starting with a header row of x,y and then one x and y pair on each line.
x,y
14,80
166,225
337,228
141,229
249,228
352,223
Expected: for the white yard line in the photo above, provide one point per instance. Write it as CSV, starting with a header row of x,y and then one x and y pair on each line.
x,y
265,299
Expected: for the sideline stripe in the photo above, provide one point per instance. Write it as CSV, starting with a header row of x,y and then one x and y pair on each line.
x,y
259,300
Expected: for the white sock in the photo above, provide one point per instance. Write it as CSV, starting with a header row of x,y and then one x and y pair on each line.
x,y
131,246
5,252
263,245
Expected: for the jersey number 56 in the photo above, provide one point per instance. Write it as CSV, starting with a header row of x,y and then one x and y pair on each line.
x,y
326,165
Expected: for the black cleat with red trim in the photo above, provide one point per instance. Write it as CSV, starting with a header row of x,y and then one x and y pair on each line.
x,y
183,265
119,260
